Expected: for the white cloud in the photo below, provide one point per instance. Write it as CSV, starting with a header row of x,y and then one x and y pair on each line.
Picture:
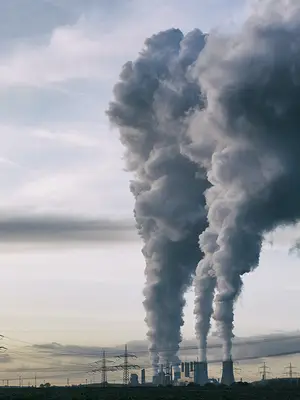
x,y
67,168
73,138
77,165
94,189
68,55
89,51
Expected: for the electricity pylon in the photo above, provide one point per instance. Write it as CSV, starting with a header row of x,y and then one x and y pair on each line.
x,y
126,366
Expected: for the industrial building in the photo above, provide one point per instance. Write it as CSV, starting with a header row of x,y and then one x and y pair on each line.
x,y
193,372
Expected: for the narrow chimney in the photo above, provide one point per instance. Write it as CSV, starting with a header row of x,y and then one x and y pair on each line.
x,y
227,373
143,376
187,369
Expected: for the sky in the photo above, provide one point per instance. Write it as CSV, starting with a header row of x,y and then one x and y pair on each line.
x,y
59,60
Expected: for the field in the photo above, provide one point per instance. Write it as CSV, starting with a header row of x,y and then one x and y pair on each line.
x,y
238,392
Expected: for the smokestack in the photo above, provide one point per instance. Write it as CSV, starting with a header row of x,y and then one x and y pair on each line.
x,y
182,367
187,369
200,373
192,366
227,373
143,376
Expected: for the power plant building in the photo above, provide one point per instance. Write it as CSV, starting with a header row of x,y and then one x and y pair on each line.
x,y
177,376
189,372
134,380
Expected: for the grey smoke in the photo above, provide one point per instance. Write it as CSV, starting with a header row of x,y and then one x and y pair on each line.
x,y
151,100
295,249
248,139
63,229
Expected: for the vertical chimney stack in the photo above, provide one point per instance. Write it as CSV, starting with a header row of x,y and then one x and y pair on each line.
x,y
192,366
182,367
187,369
143,376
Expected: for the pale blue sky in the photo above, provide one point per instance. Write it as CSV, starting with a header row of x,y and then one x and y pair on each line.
x,y
58,62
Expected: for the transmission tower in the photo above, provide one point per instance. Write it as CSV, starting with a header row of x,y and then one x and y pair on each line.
x,y
237,369
102,367
290,373
264,371
103,370
126,366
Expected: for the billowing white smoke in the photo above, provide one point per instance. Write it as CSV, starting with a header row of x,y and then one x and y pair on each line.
x,y
154,95
240,103
248,140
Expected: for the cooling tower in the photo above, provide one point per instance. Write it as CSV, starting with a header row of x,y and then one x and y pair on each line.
x,y
227,373
161,375
200,373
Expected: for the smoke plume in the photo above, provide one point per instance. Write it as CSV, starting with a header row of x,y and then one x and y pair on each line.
x,y
248,139
151,100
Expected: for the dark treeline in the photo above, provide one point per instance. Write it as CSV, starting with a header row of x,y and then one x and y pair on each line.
x,y
240,391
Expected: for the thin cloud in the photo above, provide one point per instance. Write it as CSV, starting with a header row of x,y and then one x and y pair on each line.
x,y
57,229
70,138
254,347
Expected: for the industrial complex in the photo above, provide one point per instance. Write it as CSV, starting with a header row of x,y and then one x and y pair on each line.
x,y
190,372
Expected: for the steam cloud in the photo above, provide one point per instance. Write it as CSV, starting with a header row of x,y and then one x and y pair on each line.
x,y
151,101
248,139
212,135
